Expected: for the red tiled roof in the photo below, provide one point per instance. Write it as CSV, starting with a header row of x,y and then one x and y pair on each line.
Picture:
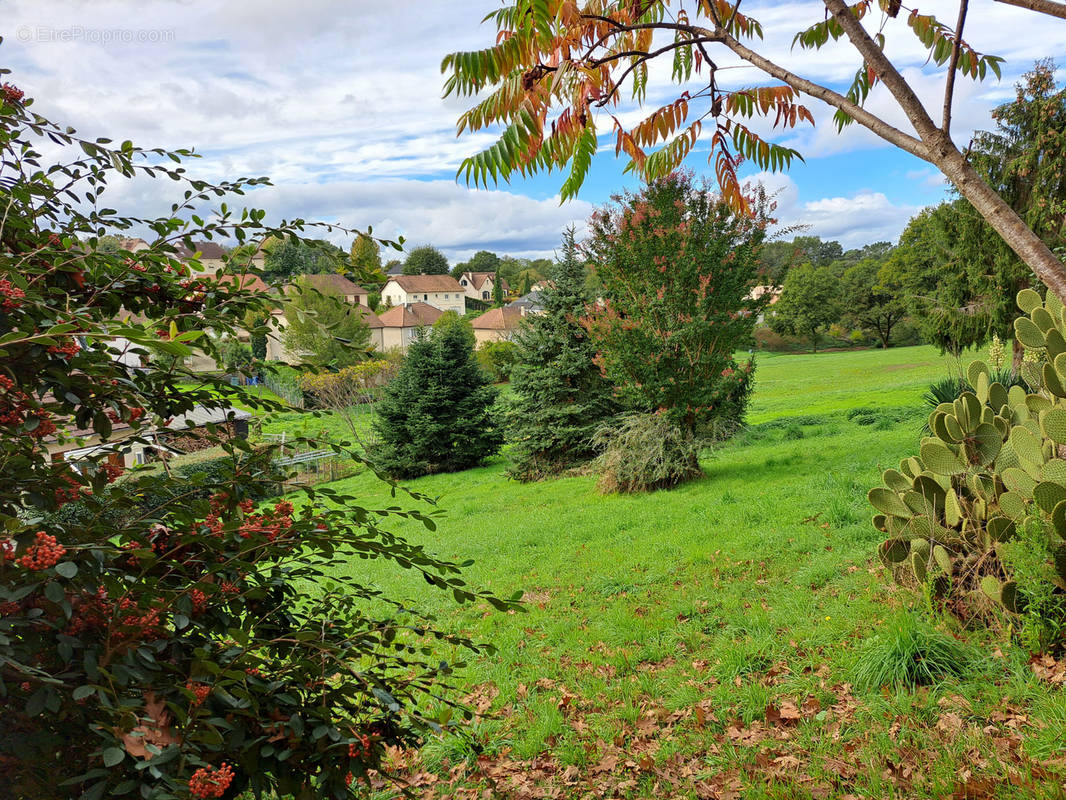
x,y
499,319
477,280
410,315
427,283
369,317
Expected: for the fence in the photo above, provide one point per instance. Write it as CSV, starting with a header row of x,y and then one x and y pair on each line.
x,y
312,466
289,392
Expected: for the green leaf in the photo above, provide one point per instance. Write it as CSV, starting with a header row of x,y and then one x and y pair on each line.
x,y
68,569
113,756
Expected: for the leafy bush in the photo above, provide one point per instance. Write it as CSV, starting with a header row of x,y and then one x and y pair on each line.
x,y
908,653
993,465
191,644
497,359
645,452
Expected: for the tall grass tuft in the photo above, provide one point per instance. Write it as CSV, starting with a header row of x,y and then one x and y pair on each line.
x,y
909,653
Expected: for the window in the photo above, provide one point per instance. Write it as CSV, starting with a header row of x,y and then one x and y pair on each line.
x,y
484,295
425,297
445,297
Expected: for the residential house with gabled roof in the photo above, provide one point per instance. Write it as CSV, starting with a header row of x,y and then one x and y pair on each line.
x,y
399,324
442,292
332,283
480,285
498,324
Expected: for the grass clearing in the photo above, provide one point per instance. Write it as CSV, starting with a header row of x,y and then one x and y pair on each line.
x,y
708,641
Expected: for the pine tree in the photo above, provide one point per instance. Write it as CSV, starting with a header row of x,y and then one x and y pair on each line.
x,y
435,416
559,395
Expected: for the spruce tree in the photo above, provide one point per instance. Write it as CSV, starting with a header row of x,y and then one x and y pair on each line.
x,y
435,416
559,395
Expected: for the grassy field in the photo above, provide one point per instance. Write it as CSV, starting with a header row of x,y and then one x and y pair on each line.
x,y
706,642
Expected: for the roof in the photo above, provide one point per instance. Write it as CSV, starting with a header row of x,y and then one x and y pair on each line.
x,y
202,416
426,283
133,245
477,279
534,301
246,281
211,250
369,317
499,319
332,282
395,269
410,315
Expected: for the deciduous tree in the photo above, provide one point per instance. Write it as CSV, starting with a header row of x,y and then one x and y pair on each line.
x,y
810,302
677,266
364,259
425,260
557,71
322,328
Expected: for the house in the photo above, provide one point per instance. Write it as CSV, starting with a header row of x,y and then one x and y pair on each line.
x,y
400,324
498,324
354,295
442,292
758,292
332,283
212,256
533,302
127,448
479,285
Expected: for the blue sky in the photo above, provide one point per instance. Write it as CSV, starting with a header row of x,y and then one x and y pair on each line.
x,y
340,104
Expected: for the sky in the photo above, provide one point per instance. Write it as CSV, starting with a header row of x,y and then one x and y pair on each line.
x,y
340,104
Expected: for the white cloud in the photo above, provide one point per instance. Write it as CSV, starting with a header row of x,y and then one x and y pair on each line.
x,y
862,217
341,103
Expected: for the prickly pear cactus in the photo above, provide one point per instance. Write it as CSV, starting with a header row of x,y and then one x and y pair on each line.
x,y
996,459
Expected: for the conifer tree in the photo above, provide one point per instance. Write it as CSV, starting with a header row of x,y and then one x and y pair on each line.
x,y
497,289
435,416
560,397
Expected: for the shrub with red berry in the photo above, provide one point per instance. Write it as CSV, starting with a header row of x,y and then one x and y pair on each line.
x,y
202,643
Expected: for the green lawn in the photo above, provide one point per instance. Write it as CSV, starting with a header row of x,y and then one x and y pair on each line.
x,y
703,642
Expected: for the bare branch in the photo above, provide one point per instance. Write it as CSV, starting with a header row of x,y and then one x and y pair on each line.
x,y
1042,6
949,87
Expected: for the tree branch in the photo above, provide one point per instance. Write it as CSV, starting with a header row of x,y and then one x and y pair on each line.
x,y
885,69
874,123
949,87
1041,6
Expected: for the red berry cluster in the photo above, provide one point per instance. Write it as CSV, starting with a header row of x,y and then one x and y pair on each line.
x,y
68,350
359,748
11,95
207,782
6,384
9,608
11,296
15,410
253,671
7,548
91,612
64,495
199,601
44,553
201,690
145,626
